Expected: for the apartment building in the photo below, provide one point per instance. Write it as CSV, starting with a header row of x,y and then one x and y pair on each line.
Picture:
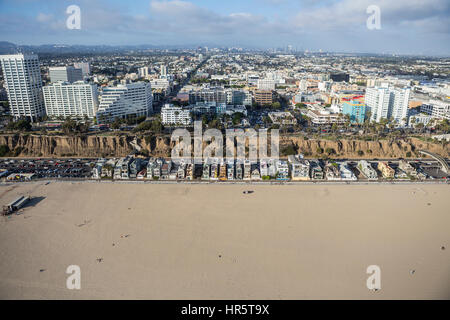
x,y
388,102
78,99
172,115
436,109
132,99
23,83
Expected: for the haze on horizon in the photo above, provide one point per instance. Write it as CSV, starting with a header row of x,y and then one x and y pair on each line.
x,y
407,26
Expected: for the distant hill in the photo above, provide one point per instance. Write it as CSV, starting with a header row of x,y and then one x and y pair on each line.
x,y
10,48
7,47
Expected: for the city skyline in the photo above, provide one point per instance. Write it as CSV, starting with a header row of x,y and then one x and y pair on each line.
x,y
407,27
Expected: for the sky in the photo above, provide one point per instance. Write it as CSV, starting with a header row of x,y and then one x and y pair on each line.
x,y
406,26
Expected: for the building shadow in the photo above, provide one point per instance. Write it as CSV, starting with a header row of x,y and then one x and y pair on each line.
x,y
33,202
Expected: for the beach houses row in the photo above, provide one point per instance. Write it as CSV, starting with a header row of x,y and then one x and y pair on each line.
x,y
296,168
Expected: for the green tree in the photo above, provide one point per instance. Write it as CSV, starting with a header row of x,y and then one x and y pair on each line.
x,y
4,149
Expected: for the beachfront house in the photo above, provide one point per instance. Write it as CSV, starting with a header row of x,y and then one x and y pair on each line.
x,y
239,171
332,172
190,171
316,170
263,167
166,167
142,174
346,173
181,172
299,168
407,168
255,173
272,168
223,171
247,170
282,170
151,168
367,170
230,170
108,168
136,166
386,170
206,171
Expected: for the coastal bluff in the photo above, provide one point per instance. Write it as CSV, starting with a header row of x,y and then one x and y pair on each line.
x,y
29,145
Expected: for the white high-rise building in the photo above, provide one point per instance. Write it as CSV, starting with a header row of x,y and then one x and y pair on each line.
x,y
378,100
23,84
400,104
65,74
163,70
125,100
71,99
143,72
388,103
84,66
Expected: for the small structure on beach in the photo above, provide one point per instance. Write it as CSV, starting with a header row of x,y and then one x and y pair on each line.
x,y
15,205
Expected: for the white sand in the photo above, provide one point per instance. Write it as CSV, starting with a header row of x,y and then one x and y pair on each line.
x,y
281,242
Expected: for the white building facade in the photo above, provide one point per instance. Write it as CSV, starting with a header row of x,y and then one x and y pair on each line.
x,y
388,103
125,100
23,85
65,74
171,114
78,99
84,66
266,84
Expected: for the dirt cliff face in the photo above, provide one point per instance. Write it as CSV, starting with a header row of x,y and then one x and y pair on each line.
x,y
119,146
50,146
364,149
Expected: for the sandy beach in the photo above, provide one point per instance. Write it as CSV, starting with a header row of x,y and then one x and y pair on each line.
x,y
187,241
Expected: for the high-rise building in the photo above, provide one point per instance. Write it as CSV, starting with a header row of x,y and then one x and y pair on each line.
x,y
65,74
356,110
378,100
163,70
84,66
23,84
71,99
388,103
124,101
400,103
143,72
